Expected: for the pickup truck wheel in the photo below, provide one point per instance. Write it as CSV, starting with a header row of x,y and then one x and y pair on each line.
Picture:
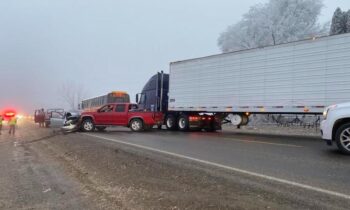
x,y
183,123
101,128
136,125
88,125
170,122
342,138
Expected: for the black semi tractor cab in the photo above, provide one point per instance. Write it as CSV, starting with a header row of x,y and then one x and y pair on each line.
x,y
154,97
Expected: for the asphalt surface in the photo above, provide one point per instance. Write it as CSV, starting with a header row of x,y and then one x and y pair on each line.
x,y
306,161
120,169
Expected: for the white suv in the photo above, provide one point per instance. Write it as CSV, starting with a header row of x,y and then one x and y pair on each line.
x,y
336,126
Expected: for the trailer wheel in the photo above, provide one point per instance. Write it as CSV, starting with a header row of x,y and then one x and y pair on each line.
x,y
342,138
88,125
170,122
238,119
136,125
183,123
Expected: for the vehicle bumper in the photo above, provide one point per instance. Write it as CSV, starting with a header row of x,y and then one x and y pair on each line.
x,y
326,131
70,128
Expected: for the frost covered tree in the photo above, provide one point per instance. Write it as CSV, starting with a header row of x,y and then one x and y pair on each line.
x,y
276,22
339,22
347,16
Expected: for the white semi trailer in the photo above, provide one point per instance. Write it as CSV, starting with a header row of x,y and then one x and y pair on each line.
x,y
301,77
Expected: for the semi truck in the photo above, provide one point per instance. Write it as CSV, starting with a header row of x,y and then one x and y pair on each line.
x,y
302,77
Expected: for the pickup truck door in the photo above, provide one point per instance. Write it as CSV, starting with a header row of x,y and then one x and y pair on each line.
x,y
120,115
104,115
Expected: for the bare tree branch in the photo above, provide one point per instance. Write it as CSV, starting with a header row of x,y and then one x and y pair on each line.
x,y
72,94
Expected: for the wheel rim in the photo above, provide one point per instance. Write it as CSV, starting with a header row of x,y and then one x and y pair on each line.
x,y
170,122
136,125
182,123
345,139
88,126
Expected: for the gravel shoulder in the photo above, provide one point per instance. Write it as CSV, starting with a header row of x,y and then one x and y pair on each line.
x,y
31,178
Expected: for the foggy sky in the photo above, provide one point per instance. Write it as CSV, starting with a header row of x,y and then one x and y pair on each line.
x,y
105,45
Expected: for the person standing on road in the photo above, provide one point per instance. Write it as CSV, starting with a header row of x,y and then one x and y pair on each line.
x,y
1,119
42,118
12,124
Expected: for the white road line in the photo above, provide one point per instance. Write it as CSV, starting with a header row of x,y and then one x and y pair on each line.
x,y
264,142
271,178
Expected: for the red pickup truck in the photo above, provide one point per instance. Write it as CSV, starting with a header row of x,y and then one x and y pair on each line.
x,y
120,114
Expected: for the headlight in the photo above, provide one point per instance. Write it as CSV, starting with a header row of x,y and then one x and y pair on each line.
x,y
326,111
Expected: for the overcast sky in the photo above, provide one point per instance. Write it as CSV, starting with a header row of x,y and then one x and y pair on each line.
x,y
105,45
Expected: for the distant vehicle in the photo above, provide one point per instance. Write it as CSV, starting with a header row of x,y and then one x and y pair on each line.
x,y
336,126
300,77
112,97
8,114
120,114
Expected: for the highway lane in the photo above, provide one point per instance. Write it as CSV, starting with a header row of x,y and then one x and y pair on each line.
x,y
305,161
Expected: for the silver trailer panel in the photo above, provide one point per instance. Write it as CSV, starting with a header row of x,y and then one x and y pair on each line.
x,y
298,77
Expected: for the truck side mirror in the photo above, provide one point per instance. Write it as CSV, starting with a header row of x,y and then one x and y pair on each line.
x,y
137,98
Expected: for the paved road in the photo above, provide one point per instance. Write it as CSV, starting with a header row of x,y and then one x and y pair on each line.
x,y
302,161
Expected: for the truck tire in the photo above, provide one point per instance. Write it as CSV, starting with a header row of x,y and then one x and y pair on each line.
x,y
170,122
101,128
183,123
342,138
136,125
88,125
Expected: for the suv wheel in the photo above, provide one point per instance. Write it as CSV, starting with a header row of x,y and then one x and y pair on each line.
x,y
342,138
88,125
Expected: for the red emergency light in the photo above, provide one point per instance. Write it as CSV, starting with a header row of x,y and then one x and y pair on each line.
x,y
8,114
